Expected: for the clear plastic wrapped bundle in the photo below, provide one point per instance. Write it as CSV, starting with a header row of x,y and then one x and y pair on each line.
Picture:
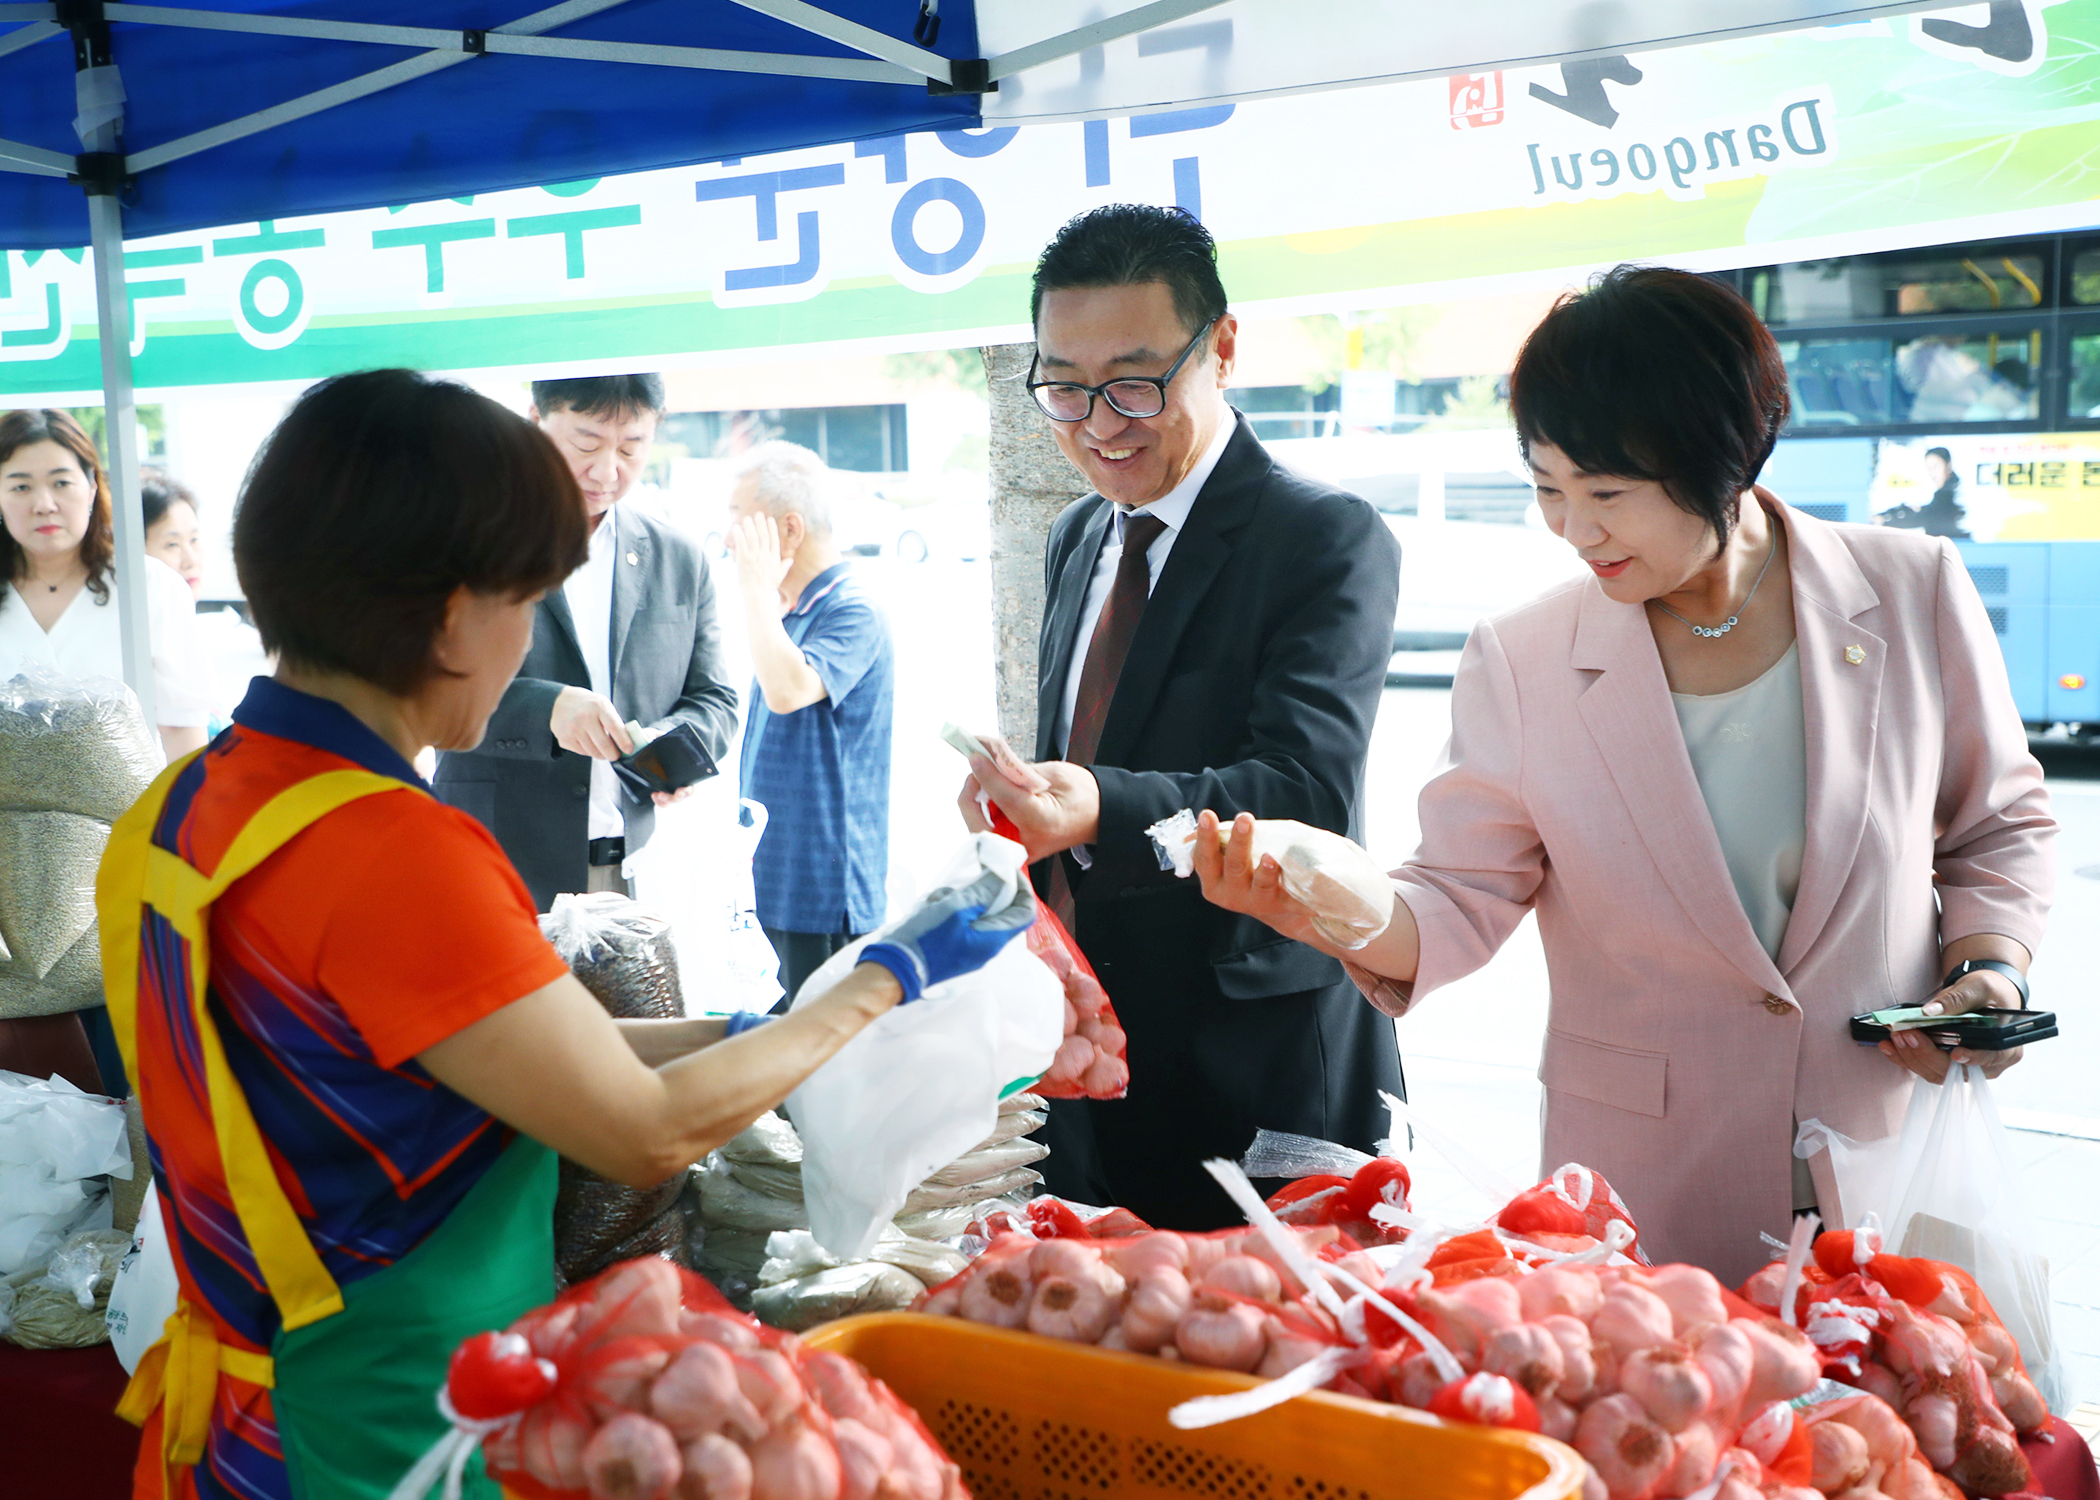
x,y
621,951
622,954
1348,897
73,745
74,755
755,1242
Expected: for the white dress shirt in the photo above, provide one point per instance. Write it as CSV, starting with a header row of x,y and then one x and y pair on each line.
x,y
589,592
1172,508
88,641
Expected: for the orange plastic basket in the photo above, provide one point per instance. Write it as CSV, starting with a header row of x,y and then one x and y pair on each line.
x,y
1032,1418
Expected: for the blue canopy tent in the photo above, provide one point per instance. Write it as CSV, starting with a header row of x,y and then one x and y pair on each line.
x,y
121,118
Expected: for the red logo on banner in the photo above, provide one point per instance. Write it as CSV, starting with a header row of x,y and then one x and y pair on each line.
x,y
1476,100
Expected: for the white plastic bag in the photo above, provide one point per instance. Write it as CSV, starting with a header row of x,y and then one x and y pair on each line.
x,y
1948,1188
144,1293
1956,1197
1348,897
1865,1172
697,872
921,1086
56,1145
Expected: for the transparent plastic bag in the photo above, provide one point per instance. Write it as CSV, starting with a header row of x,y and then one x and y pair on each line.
x,y
74,754
75,1270
73,745
620,950
922,1085
1955,1196
56,1145
1348,897
622,954
697,872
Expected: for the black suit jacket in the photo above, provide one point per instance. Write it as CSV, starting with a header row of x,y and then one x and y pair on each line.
x,y
666,668
1251,686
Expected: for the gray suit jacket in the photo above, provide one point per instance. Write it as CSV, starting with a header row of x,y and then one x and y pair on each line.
x,y
666,668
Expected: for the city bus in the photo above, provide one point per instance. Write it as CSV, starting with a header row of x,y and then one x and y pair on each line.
x,y
1956,389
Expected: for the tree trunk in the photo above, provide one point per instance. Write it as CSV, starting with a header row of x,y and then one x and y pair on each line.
x,y
1031,483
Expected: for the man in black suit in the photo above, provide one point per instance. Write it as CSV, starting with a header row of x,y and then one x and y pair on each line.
x,y
629,637
1216,635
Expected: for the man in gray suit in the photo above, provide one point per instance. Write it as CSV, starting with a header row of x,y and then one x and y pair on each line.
x,y
630,636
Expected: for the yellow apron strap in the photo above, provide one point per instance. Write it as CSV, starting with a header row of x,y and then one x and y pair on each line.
x,y
183,1366
120,884
180,1373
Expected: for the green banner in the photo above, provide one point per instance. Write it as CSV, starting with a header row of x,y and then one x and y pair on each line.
x,y
1809,144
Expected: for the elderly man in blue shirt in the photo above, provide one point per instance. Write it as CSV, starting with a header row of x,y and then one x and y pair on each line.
x,y
817,740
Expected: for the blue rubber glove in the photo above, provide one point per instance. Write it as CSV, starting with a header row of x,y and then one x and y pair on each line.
x,y
954,932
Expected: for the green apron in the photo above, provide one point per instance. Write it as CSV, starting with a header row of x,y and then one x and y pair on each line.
x,y
354,1371
356,1393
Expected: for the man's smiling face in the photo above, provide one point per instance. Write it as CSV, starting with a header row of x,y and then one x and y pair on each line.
x,y
1092,335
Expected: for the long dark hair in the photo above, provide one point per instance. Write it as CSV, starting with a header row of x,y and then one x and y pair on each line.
x,y
19,429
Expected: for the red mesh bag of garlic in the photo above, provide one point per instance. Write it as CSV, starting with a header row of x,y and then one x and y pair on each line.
x,y
644,1384
1090,1063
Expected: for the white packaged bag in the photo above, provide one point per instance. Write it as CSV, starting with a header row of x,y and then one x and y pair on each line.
x,y
1343,890
921,1086
57,1143
1948,1188
144,1292
697,873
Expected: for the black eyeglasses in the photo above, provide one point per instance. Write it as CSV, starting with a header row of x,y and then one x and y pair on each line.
x,y
1133,395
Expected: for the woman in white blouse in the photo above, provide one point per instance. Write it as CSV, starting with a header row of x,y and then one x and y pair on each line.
x,y
59,609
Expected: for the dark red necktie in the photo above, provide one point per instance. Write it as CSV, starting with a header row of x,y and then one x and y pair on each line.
x,y
1105,654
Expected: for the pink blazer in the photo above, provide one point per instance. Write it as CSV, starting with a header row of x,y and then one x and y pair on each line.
x,y
1678,1054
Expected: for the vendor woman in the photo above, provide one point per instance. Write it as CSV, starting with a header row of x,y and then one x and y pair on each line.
x,y
355,1053
1756,774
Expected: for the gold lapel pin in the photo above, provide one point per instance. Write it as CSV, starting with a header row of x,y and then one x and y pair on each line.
x,y
1853,654
634,561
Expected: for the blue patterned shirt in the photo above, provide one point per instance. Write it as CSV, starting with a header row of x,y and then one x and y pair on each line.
x,y
823,772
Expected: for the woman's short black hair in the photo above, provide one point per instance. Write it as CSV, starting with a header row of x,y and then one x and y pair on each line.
x,y
378,495
1660,375
158,489
1128,244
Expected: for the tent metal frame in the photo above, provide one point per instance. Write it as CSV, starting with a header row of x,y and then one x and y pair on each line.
x,y
103,169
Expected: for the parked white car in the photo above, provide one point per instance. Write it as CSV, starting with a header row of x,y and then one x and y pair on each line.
x,y
1472,543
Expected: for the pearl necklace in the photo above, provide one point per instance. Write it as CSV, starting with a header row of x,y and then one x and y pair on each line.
x,y
1715,632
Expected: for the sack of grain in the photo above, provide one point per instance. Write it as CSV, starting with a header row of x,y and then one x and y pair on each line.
x,y
62,1303
73,745
73,756
622,954
620,950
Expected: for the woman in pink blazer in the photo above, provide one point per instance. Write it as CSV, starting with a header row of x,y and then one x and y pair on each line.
x,y
1758,774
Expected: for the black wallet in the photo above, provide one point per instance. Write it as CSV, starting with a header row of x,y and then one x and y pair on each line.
x,y
674,759
1979,1030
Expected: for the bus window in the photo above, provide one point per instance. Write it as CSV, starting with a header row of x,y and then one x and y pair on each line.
x,y
2085,277
1903,284
2085,376
1970,377
1940,379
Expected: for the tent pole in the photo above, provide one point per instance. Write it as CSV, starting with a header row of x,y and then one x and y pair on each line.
x,y
121,428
